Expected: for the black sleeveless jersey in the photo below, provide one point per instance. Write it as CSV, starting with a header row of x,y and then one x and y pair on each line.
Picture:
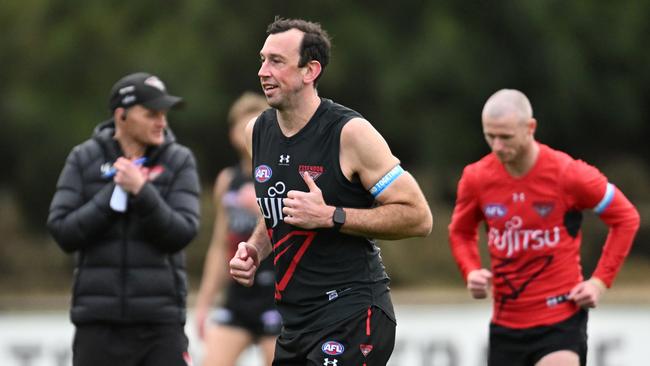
x,y
241,223
322,276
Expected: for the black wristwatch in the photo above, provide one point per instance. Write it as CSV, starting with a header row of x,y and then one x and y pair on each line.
x,y
338,218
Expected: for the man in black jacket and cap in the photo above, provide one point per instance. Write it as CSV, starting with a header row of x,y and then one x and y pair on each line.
x,y
127,204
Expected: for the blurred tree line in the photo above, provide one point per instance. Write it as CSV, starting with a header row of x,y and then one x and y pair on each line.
x,y
419,70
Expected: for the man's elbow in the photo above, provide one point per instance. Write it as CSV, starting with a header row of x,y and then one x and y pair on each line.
x,y
635,221
174,244
68,245
68,242
637,218
631,221
424,224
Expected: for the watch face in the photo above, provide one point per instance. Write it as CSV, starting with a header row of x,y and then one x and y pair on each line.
x,y
339,216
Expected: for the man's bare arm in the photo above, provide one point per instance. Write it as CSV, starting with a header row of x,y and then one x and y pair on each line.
x,y
402,211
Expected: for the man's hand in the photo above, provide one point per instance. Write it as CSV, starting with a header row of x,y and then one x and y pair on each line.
x,y
128,175
479,282
307,210
201,316
587,294
244,264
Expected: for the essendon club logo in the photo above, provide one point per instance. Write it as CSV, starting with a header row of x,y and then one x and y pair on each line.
x,y
314,171
151,173
543,208
365,349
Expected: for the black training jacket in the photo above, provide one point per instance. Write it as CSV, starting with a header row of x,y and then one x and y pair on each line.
x,y
130,267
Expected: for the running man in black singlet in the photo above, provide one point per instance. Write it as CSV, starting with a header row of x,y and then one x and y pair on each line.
x,y
247,315
327,184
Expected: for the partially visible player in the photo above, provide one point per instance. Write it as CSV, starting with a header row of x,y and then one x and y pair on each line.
x,y
246,315
532,198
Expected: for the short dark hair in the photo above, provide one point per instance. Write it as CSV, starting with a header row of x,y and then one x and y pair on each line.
x,y
316,43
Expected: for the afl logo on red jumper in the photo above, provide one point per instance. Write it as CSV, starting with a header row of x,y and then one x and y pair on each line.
x,y
332,348
263,173
495,210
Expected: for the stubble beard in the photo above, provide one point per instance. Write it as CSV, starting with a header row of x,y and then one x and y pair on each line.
x,y
286,100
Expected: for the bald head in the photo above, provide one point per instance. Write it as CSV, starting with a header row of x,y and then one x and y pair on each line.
x,y
507,102
509,129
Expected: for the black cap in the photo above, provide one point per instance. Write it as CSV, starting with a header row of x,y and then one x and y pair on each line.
x,y
144,89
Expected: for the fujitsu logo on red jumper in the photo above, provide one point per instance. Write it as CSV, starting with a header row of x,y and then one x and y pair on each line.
x,y
514,239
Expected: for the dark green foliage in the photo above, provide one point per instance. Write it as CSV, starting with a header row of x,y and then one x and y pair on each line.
x,y
419,70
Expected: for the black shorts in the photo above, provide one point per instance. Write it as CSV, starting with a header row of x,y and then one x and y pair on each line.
x,y
130,345
525,347
258,323
366,339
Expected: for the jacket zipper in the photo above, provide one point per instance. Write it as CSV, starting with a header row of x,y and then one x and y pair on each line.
x,y
123,267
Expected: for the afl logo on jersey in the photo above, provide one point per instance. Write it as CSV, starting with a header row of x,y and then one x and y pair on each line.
x,y
263,173
493,210
332,348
